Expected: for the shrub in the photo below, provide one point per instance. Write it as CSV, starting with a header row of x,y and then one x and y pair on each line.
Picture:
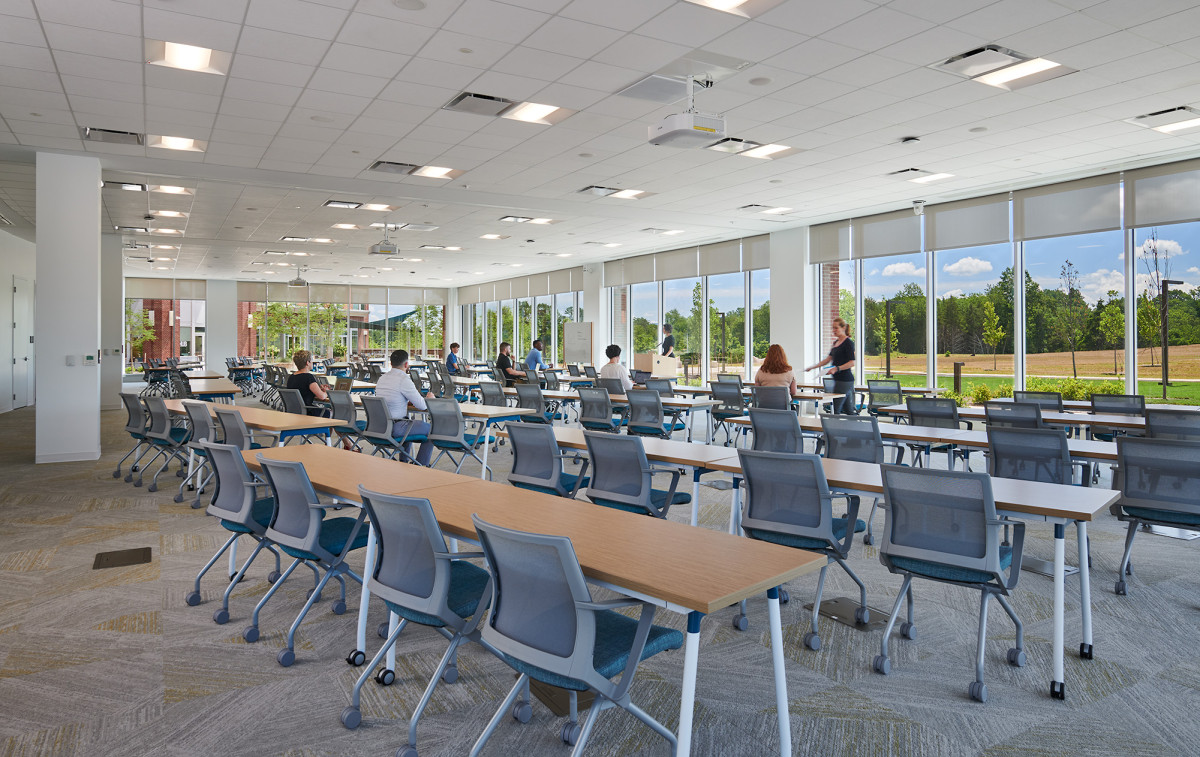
x,y
1002,390
1075,389
959,399
978,393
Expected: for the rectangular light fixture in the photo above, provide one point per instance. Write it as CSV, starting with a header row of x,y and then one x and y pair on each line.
x,y
1170,121
166,231
127,186
112,136
185,144
541,221
346,226
301,254
431,247
494,236
318,240
598,191
293,239
418,227
377,207
516,219
929,178
733,145
137,229
537,113
628,194
343,204
765,151
167,189
169,213
1024,73
187,57
166,247
436,172
775,211
727,6
275,252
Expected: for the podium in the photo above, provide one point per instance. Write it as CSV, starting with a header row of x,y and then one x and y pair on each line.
x,y
657,365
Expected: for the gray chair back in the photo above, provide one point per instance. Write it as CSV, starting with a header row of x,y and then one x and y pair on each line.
x,y
298,515
787,494
776,430
852,437
611,385
1013,414
1051,401
731,378
1159,474
882,393
374,371
493,394
1118,404
595,409
417,379
536,460
435,384
590,371
160,421
662,386
136,416
1030,454
829,384
446,423
293,402
342,405
573,369
201,422
1165,423
646,413
234,496
620,470
551,379
938,412
729,395
378,430
529,396
771,397
233,427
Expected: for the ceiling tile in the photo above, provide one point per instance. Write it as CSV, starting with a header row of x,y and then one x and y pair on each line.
x,y
221,10
26,56
332,102
101,15
625,15
537,64
570,37
875,29
689,24
22,8
75,64
300,17
190,29
366,60
29,79
272,71
491,20
24,31
389,35
814,56
641,53
449,47
814,17
329,80
1005,17
292,48
250,89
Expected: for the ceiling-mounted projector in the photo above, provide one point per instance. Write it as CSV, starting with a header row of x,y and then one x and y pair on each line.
x,y
687,130
383,248
297,282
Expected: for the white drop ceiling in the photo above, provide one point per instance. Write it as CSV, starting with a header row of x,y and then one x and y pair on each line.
x,y
318,90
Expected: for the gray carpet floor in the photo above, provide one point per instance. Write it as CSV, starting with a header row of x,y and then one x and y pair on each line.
x,y
113,662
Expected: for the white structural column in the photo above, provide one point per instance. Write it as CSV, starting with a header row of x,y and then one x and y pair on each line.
x,y
794,295
67,308
112,321
595,309
220,323
455,331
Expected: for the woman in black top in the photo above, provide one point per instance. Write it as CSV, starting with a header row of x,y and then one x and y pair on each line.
x,y
304,381
841,362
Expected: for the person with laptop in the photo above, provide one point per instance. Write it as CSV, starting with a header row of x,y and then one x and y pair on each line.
x,y
456,365
399,391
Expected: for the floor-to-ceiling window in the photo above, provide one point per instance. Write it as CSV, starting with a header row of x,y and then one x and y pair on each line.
x,y
975,314
523,329
1164,253
564,313
543,326
760,317
643,311
493,330
727,323
894,318
683,309
620,320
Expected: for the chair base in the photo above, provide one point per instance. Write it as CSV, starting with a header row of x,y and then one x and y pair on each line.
x,y
1174,533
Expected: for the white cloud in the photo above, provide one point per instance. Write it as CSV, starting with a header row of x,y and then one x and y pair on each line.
x,y
903,269
953,293
1095,285
967,266
874,272
1194,270
1167,248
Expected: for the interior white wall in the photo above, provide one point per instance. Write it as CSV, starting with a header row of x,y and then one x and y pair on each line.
x,y
595,310
16,259
220,324
67,310
112,320
793,298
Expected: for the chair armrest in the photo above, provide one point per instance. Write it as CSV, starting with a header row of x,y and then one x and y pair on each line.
x,y
1018,541
969,425
670,491
610,604
852,503
457,555
899,451
1085,469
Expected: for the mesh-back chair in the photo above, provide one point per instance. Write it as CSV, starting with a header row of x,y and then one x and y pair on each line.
x,y
788,502
646,416
662,386
181,388
937,412
590,372
202,428
234,431
771,397
621,476
435,384
169,441
857,438
776,431
136,423
1013,414
529,396
418,380
1159,482
341,404
242,510
1033,454
377,429
374,372
460,392
729,394
537,462
423,582
448,432
1115,404
293,402
573,369
1049,401
300,528
1165,423
611,385
550,377
553,383
596,411
493,394
731,378
882,393
545,625
942,526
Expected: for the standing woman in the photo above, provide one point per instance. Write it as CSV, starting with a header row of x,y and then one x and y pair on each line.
x,y
841,367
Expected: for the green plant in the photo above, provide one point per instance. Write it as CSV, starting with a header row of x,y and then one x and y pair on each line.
x,y
978,393
959,399
1002,390
339,350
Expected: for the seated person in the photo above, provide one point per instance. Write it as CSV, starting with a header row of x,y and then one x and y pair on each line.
x,y
504,367
533,360
456,365
306,383
399,391
775,370
614,369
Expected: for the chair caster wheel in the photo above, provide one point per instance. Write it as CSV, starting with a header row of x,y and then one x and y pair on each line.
x,y
273,576
382,630
868,540
862,616
979,691
1058,690
356,658
385,677
882,665
116,474
151,487
1016,657
450,674
193,598
285,657
741,622
1085,651
812,641
221,617
197,505
1119,588
351,717
522,712
339,607
908,630
406,751
129,478
178,497
784,597
570,733
250,634
309,593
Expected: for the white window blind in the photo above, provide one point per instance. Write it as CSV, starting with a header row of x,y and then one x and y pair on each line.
x,y
629,270
251,291
895,233
187,289
435,296
333,294
1073,207
278,291
405,295
560,281
368,295
756,252
676,264
539,285
149,289
967,223
1163,194
721,257
829,242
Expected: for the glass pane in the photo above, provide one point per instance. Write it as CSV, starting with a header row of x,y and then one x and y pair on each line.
x,y
524,328
1157,250
433,326
726,324
900,280
644,310
1074,311
760,316
507,326
975,315
544,327
368,330
477,312
286,330
250,329
564,306
683,305
327,324
620,320
404,328
491,349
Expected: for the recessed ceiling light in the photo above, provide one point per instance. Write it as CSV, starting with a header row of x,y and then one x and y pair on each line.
x,y
171,190
162,267
765,151
536,113
416,260
293,239
388,268
321,240
456,249
186,57
275,252
628,194
166,247
300,254
728,6
1170,121
542,221
344,204
431,247
1025,73
185,144
598,191
775,211
138,229
672,232
347,226
733,145
931,178
169,213
166,231
388,226
437,172
128,186
409,5
516,219
418,227
396,259
164,259
493,236
377,207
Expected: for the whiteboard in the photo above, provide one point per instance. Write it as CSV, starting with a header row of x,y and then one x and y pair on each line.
x,y
577,339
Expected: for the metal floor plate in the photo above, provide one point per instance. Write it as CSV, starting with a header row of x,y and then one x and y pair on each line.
x,y
842,610
121,558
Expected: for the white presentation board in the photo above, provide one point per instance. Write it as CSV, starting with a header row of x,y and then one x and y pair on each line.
x,y
577,342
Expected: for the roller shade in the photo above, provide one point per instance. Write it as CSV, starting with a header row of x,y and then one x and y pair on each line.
x,y
361,295
468,295
186,289
250,291
629,271
1074,207
503,290
895,233
829,242
278,291
405,295
967,223
721,257
677,264
150,289
1163,194
756,253
560,281
333,294
436,296
519,287
576,279
539,285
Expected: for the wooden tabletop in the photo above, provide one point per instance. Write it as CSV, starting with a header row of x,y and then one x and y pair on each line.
x,y
903,389
203,374
686,403
658,450
1012,495
269,420
973,413
213,386
695,568
900,431
748,391
1090,448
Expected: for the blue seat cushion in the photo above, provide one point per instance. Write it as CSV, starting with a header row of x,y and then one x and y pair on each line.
x,y
659,498
614,639
665,428
602,426
805,542
724,415
260,512
565,480
1163,516
334,533
180,435
942,572
467,583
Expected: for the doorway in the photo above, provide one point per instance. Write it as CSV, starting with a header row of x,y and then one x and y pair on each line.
x,y
22,368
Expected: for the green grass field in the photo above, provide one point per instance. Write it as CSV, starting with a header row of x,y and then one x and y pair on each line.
x,y
1180,393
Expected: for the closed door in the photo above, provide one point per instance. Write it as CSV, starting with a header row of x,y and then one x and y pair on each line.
x,y
22,316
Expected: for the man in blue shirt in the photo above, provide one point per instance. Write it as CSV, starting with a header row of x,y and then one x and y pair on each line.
x,y
454,363
533,360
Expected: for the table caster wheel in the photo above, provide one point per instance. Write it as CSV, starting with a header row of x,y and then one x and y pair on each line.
x,y
522,712
882,665
178,497
356,658
250,634
862,616
193,598
385,677
351,717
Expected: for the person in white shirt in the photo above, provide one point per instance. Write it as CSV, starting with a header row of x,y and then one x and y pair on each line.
x,y
614,369
398,390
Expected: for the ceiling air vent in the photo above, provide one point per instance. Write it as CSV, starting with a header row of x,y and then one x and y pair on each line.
x,y
91,134
419,227
480,105
980,61
5,221
387,166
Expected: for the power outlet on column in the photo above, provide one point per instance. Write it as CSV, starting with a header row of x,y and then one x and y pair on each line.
x,y
70,361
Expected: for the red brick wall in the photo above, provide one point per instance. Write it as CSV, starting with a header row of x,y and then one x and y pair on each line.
x,y
830,284
247,337
166,341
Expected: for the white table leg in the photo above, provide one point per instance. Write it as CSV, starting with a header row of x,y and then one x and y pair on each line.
x,y
781,698
695,495
1058,685
364,597
735,507
1085,590
687,702
486,447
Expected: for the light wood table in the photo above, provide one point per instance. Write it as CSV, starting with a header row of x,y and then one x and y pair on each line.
x,y
202,373
923,390
692,571
286,425
974,413
214,387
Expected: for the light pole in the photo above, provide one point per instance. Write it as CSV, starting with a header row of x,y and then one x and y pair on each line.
x,y
887,335
1163,290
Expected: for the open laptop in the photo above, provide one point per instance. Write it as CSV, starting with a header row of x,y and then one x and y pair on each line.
x,y
343,384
